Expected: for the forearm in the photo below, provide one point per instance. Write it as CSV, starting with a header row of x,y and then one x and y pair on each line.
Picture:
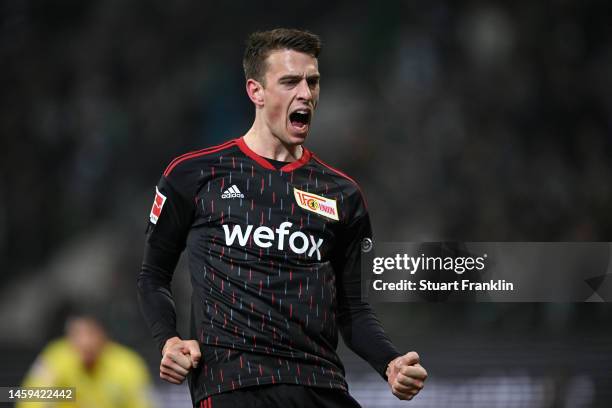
x,y
155,293
364,335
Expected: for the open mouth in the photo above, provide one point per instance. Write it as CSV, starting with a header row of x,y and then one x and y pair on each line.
x,y
300,118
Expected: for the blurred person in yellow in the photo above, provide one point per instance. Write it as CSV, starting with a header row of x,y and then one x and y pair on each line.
x,y
104,374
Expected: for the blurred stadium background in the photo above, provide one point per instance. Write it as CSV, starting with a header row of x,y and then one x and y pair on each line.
x,y
478,121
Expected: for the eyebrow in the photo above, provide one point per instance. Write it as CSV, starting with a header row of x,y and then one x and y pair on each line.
x,y
298,77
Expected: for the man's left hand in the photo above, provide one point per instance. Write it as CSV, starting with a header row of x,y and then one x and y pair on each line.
x,y
406,376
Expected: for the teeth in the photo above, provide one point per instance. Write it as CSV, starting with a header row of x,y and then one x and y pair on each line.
x,y
302,111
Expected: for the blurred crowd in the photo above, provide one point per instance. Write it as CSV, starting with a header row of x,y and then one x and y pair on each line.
x,y
470,121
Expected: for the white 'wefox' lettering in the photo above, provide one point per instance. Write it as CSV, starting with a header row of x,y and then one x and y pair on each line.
x,y
264,236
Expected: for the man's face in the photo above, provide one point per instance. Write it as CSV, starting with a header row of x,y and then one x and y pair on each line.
x,y
290,94
87,338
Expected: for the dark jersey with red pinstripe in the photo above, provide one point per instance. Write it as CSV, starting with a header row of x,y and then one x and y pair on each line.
x,y
273,258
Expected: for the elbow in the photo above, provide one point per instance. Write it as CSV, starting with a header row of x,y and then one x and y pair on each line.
x,y
143,281
140,281
152,279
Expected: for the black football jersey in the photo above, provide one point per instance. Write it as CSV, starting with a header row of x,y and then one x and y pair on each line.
x,y
273,255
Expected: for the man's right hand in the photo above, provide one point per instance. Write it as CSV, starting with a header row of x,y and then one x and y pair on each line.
x,y
178,358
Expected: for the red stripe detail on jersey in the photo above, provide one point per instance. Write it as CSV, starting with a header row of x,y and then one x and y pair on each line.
x,y
306,155
258,159
263,162
203,150
197,153
316,158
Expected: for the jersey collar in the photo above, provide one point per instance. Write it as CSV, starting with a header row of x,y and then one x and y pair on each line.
x,y
263,162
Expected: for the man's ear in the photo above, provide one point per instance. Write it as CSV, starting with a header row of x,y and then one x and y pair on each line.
x,y
255,90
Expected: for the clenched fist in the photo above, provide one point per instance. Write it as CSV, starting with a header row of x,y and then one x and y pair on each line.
x,y
406,376
178,358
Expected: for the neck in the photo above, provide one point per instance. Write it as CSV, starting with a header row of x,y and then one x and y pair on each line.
x,y
261,140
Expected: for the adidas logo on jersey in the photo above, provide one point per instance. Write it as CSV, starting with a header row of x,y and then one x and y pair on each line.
x,y
232,192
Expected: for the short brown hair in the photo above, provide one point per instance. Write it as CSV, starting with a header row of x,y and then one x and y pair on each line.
x,y
261,43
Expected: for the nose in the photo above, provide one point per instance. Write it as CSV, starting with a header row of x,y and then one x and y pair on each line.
x,y
304,93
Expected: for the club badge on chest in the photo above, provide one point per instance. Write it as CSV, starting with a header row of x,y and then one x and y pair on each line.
x,y
317,204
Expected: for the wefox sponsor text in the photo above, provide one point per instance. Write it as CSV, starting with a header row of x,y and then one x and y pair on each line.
x,y
265,237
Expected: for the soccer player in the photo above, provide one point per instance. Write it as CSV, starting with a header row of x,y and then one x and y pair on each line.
x,y
274,237
104,374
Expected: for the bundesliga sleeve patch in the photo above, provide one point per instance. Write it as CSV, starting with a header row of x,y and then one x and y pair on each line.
x,y
316,204
158,204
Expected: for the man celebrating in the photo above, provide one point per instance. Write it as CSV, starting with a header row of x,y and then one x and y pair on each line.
x,y
274,237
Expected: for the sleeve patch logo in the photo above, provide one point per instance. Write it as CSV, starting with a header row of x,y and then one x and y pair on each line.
x,y
325,207
158,204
